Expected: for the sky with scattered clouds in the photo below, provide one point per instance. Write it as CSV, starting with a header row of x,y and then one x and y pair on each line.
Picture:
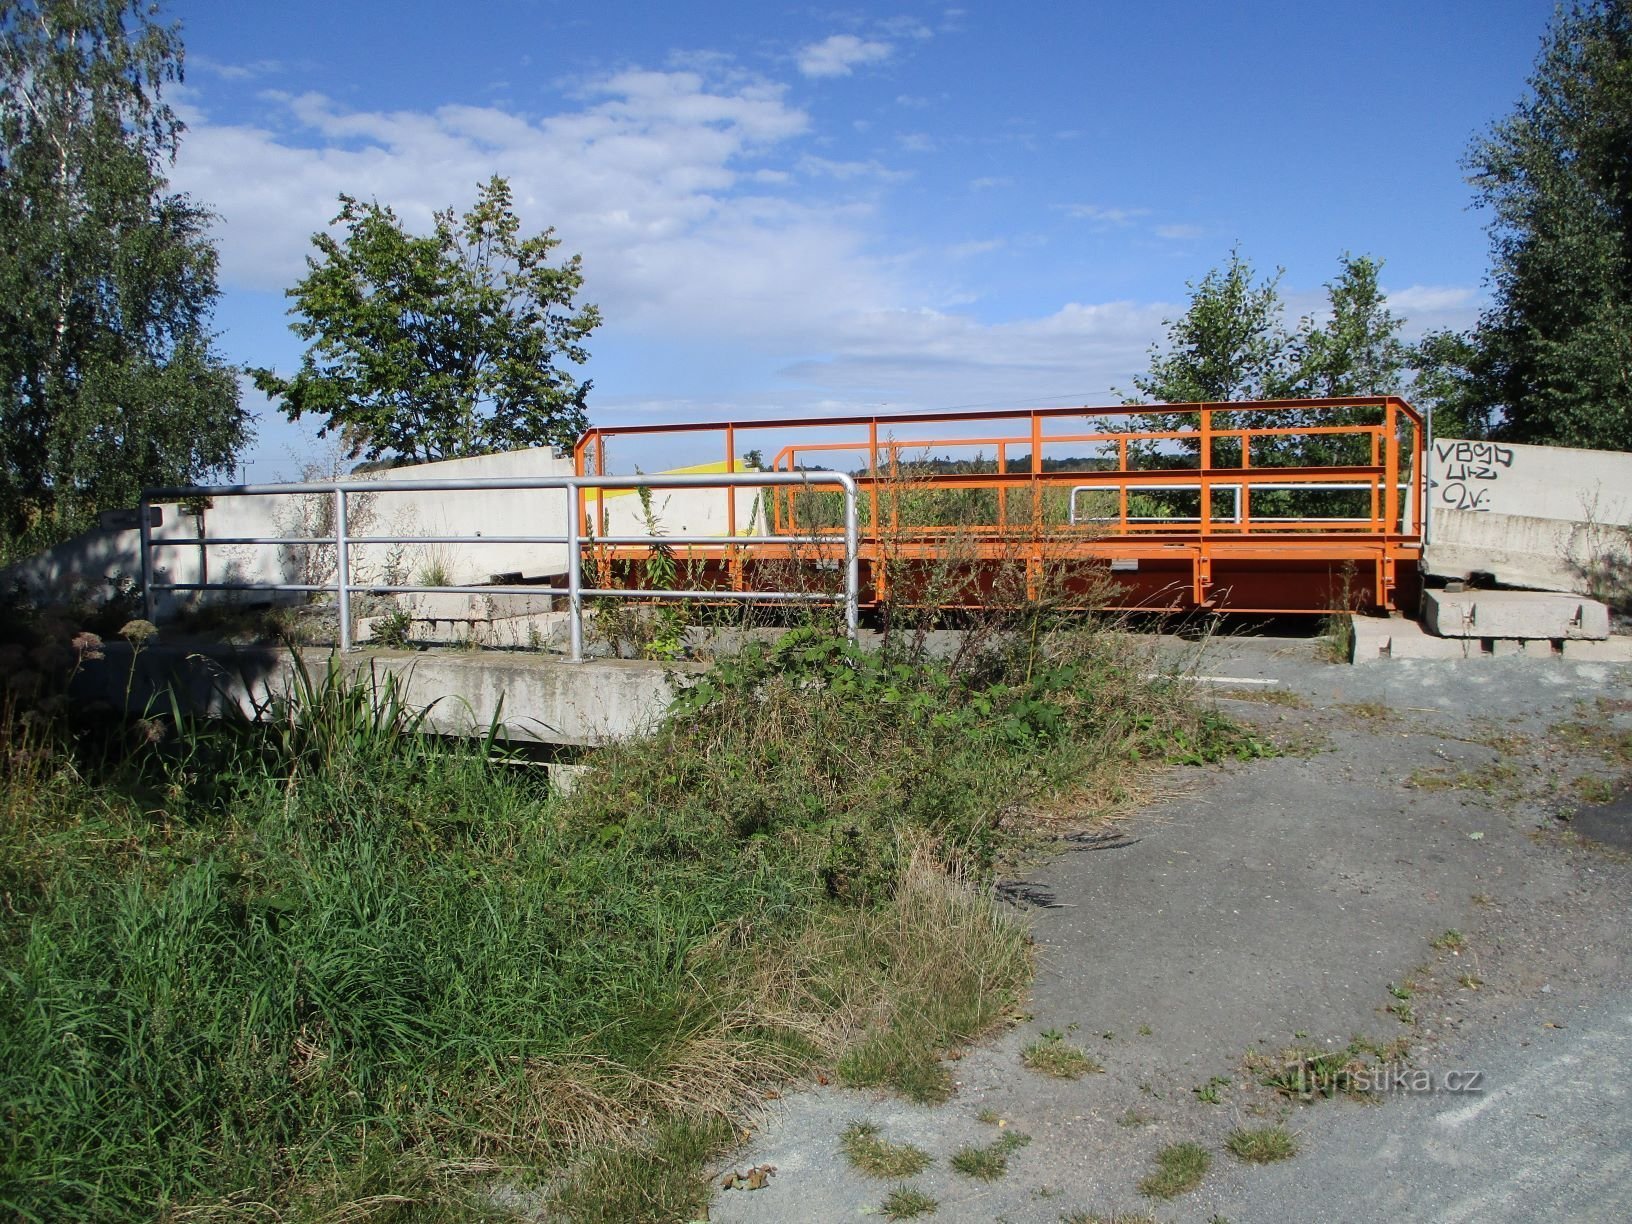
x,y
789,211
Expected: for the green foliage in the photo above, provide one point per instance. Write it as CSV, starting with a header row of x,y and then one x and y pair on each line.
x,y
108,378
1233,344
441,345
1555,350
326,960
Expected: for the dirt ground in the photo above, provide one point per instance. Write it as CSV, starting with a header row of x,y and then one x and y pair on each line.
x,y
1437,866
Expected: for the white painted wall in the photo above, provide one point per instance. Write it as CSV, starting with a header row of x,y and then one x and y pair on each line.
x,y
89,562
1548,517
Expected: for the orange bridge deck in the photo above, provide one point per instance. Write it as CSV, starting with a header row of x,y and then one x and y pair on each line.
x,y
1263,506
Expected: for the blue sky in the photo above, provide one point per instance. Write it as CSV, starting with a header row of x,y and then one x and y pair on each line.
x,y
810,210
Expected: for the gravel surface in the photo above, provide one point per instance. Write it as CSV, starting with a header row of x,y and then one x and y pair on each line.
x,y
1275,903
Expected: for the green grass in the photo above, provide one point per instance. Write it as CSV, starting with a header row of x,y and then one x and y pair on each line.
x,y
876,1156
905,1203
1052,1055
329,961
990,1162
1262,1144
1179,1169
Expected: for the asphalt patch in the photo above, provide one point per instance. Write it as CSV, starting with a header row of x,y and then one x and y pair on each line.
x,y
1609,823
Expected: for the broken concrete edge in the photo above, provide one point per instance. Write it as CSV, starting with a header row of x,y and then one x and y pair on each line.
x,y
1379,638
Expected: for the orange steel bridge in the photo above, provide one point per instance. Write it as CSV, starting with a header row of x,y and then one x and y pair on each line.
x,y
1264,506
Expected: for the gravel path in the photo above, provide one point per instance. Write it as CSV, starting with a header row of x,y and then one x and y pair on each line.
x,y
1273,904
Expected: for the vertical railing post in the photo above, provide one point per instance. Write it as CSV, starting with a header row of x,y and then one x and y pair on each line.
x,y
1391,471
575,598
852,562
145,524
1206,467
1424,481
342,567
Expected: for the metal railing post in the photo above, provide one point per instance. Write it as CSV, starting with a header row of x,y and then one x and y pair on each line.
x,y
146,527
575,581
342,567
852,562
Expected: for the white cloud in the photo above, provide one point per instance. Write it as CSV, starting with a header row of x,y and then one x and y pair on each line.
x,y
843,170
706,227
988,182
840,54
1101,215
1179,233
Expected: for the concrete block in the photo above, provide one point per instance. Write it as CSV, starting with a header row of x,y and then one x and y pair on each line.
x,y
1505,648
1397,637
1612,650
1514,614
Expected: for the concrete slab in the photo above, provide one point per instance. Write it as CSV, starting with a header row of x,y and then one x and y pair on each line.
x,y
1378,638
1514,614
538,697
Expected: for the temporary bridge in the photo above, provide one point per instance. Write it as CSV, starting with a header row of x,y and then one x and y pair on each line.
x,y
1277,506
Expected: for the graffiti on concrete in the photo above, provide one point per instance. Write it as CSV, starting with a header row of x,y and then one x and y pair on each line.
x,y
1465,471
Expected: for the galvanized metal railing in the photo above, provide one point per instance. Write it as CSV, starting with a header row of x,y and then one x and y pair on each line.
x,y
574,538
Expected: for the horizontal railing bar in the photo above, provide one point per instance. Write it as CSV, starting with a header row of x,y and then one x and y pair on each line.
x,y
741,596
721,480
1004,414
212,540
241,586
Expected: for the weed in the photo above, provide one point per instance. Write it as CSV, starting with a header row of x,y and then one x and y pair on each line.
x,y
1401,992
990,1162
905,1203
1450,941
1306,1074
1371,711
1132,1119
1052,1055
1261,1145
878,1157
392,629
1403,1012
1470,981
1119,1217
989,1116
1497,779
1208,1093
1179,1169
1144,1030
1593,790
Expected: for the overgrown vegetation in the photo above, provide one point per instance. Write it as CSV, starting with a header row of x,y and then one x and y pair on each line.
x,y
326,964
